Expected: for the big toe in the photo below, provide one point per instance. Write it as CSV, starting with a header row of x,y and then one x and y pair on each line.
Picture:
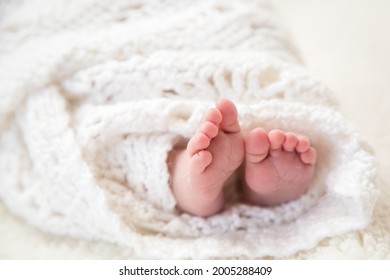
x,y
257,146
229,113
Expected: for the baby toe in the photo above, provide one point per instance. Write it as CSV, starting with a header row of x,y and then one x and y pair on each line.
x,y
310,156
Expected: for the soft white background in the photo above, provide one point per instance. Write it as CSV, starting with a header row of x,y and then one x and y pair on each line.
x,y
344,43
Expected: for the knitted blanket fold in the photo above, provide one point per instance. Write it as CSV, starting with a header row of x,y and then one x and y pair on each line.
x,y
94,95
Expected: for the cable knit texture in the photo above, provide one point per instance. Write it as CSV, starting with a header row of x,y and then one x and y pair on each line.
x,y
94,94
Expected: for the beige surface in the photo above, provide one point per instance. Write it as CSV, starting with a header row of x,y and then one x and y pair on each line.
x,y
346,44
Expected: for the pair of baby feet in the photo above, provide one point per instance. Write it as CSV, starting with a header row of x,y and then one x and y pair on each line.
x,y
277,166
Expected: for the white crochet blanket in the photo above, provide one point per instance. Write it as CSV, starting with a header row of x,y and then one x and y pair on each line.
x,y
94,94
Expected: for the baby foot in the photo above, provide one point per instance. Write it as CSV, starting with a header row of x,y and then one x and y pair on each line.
x,y
212,155
278,167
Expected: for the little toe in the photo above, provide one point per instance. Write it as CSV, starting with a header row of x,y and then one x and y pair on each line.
x,y
257,146
290,142
229,123
276,139
199,142
200,161
303,144
310,156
